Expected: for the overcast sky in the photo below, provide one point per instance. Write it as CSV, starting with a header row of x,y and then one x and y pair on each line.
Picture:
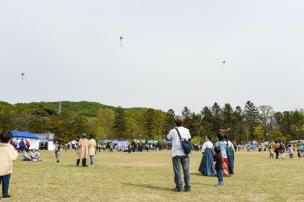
x,y
171,56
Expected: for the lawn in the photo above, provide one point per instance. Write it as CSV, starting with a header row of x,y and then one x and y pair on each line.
x,y
148,176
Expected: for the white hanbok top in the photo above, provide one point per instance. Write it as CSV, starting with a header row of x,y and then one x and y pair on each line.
x,y
230,145
207,144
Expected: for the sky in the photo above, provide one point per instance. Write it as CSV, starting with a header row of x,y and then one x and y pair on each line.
x,y
171,56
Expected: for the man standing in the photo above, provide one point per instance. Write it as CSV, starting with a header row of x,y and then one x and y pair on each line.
x,y
92,150
57,151
179,158
84,150
21,146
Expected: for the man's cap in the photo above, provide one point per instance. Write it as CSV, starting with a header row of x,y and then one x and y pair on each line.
x,y
179,119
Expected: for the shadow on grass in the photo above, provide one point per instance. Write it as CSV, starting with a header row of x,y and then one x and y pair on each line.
x,y
197,174
148,186
68,165
203,184
72,166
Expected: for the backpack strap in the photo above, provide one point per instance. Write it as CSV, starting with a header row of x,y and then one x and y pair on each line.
x,y
180,138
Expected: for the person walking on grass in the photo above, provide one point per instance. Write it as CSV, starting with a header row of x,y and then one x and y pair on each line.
x,y
230,154
222,145
92,150
276,149
299,149
57,151
83,150
270,150
206,167
179,158
290,151
282,149
218,166
8,154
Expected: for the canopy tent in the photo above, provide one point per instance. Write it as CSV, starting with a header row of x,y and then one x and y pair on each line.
x,y
24,135
152,141
46,139
168,142
33,139
148,141
122,145
73,142
103,142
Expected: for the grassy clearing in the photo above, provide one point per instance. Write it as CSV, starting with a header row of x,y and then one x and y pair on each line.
x,y
148,176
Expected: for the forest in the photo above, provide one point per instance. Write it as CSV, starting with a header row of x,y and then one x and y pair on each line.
x,y
68,120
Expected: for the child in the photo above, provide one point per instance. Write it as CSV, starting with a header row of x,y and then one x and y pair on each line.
x,y
299,149
218,166
57,151
290,151
8,155
270,150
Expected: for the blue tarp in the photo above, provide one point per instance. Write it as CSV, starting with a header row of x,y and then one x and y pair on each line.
x,y
25,135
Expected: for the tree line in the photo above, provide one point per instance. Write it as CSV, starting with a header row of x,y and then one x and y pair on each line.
x,y
260,123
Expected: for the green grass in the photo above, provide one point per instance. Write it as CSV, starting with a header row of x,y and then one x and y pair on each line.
x,y
148,176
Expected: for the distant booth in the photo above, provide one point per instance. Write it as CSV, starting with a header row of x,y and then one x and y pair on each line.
x,y
122,145
25,135
46,141
37,140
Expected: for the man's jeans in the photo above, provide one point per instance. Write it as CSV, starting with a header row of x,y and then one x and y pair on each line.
x,y
92,160
5,184
219,174
183,161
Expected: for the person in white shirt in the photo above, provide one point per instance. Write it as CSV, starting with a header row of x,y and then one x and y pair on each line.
x,y
8,154
179,158
206,166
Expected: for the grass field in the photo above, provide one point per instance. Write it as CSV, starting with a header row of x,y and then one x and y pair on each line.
x,y
148,176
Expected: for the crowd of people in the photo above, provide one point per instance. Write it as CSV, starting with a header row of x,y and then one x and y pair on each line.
x,y
222,153
32,155
280,149
22,145
217,159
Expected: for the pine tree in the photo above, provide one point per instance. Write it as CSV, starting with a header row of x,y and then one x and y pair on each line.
x,y
251,115
120,123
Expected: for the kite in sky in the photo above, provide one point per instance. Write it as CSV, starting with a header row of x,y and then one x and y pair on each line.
x,y
223,63
22,75
121,38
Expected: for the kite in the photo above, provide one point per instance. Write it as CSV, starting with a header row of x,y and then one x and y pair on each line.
x,y
121,38
22,75
223,63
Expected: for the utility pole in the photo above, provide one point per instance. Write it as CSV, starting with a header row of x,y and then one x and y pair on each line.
x,y
59,108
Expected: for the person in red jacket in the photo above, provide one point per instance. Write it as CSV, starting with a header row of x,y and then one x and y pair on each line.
x,y
276,149
27,144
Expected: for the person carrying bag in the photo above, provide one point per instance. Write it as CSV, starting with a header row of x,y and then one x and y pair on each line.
x,y
186,144
181,148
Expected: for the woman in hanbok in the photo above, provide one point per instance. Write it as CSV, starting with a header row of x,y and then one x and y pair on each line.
x,y
221,144
206,166
230,155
